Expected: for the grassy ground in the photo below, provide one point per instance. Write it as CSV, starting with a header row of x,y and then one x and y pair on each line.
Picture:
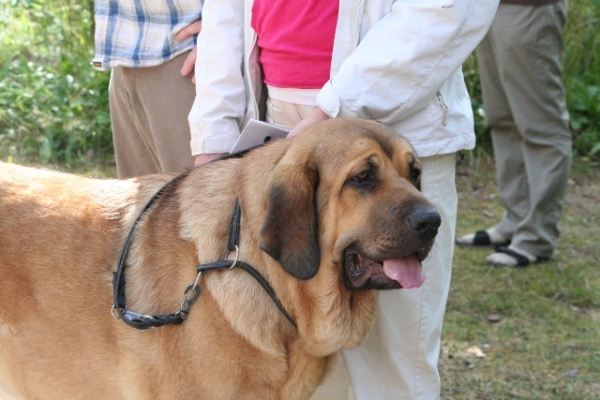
x,y
538,328
545,343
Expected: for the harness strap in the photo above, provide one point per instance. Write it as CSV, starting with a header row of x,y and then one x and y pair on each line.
x,y
143,322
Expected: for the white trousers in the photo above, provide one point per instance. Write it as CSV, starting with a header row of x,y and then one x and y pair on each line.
x,y
399,358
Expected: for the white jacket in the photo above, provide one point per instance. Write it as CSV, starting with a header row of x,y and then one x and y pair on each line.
x,y
396,62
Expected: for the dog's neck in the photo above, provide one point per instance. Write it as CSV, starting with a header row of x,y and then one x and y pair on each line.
x,y
231,287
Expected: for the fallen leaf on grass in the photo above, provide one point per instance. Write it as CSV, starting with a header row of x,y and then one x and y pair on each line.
x,y
475,350
493,318
570,373
488,214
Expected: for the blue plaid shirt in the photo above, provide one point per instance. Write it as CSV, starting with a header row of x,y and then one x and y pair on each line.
x,y
141,33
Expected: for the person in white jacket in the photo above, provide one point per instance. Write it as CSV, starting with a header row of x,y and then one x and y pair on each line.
x,y
395,62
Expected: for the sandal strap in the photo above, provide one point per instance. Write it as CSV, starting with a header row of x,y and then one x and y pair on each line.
x,y
482,238
522,261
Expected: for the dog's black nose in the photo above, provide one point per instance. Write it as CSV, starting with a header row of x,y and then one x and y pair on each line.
x,y
425,221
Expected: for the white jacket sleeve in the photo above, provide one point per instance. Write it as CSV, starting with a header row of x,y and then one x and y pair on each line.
x,y
404,59
219,107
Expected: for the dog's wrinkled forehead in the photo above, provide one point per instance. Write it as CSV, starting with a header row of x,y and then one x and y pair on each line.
x,y
346,139
387,140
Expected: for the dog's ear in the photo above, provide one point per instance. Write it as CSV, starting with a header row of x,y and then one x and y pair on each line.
x,y
289,232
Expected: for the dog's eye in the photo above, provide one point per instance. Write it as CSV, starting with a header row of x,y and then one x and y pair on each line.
x,y
363,176
365,179
415,176
362,181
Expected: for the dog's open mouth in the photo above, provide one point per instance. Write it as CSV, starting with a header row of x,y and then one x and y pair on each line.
x,y
402,272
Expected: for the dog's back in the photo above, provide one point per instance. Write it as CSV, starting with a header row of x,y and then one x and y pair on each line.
x,y
47,216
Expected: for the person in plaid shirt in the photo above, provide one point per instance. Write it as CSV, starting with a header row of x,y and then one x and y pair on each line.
x,y
149,46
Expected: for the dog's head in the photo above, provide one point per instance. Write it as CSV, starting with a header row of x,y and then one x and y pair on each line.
x,y
347,192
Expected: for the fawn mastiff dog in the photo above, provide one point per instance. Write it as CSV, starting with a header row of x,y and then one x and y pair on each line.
x,y
325,220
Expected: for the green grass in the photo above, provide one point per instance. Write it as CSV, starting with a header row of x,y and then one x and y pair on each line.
x,y
546,344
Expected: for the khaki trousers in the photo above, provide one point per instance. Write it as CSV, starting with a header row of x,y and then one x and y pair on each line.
x,y
149,109
520,63
398,361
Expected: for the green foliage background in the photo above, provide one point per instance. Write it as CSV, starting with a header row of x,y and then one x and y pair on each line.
x,y
582,80
54,105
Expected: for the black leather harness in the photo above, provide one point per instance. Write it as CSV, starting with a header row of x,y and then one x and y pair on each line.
x,y
192,292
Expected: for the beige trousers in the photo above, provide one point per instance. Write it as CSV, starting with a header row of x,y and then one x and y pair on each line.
x,y
149,109
398,361
520,63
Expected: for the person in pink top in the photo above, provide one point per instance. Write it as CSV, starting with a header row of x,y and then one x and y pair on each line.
x,y
398,62
295,41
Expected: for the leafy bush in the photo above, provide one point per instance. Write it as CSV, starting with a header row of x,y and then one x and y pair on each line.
x,y
581,74
53,104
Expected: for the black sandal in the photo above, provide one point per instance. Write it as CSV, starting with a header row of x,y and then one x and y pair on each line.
x,y
481,239
522,261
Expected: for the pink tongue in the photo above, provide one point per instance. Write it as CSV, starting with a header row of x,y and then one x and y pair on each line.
x,y
406,270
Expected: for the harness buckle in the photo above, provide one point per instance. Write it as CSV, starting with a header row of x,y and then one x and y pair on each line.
x,y
237,254
190,296
112,312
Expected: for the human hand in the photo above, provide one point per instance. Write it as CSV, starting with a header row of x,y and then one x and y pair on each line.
x,y
190,61
189,64
204,158
316,116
